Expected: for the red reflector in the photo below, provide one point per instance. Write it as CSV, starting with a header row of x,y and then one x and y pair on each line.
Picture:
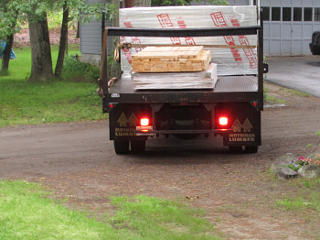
x,y
255,104
223,121
144,121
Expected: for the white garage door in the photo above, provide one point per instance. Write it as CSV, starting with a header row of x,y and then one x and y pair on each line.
x,y
288,26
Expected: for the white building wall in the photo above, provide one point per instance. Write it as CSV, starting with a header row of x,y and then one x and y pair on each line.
x,y
288,26
90,35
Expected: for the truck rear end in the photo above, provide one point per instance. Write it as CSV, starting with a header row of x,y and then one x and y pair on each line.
x,y
231,110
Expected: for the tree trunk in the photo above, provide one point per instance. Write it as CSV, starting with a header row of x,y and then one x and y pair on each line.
x,y
78,30
41,69
142,3
7,51
63,40
129,3
6,54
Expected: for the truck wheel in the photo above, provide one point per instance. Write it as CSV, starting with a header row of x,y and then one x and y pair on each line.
x,y
251,149
138,146
235,149
121,146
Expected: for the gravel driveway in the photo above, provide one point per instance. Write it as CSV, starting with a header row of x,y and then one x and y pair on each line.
x,y
237,191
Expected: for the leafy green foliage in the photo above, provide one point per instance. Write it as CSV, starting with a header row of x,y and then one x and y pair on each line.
x,y
54,19
27,213
293,167
12,11
79,71
8,19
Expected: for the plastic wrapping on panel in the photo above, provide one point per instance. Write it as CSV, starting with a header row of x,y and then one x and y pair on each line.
x,y
231,61
176,80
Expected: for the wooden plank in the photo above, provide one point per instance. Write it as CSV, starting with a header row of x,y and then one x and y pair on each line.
x,y
171,59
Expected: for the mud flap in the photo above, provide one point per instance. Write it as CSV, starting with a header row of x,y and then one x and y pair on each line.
x,y
125,118
245,122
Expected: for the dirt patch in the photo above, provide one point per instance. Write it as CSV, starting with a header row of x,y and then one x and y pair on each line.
x,y
77,161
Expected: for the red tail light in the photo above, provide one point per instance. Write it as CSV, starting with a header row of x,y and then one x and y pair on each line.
x,y
145,121
145,126
223,121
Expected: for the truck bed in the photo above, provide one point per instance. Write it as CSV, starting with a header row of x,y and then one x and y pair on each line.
x,y
228,88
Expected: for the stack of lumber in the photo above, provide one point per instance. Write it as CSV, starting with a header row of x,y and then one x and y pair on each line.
x,y
171,59
175,67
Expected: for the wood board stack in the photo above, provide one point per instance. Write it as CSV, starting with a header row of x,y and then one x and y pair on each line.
x,y
176,67
171,59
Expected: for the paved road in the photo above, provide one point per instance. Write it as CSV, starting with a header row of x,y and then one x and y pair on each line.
x,y
301,73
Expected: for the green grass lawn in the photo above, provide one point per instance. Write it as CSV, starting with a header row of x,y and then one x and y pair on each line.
x,y
308,197
27,213
57,101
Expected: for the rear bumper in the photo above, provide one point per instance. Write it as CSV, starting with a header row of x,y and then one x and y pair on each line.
x,y
176,132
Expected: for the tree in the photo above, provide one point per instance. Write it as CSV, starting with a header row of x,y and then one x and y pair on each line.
x,y
8,20
41,63
35,13
73,10
63,39
7,54
14,12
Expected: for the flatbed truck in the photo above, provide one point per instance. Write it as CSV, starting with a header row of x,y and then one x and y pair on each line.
x,y
231,110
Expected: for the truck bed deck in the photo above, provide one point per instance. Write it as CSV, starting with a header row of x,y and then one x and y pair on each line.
x,y
228,88
225,84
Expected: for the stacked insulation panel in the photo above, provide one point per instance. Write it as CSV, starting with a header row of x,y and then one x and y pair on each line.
x,y
231,61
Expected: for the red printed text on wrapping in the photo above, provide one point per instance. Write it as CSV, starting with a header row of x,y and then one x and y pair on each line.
x,y
250,54
219,21
165,22
189,40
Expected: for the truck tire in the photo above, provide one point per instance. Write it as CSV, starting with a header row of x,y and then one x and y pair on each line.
x,y
121,146
251,149
138,146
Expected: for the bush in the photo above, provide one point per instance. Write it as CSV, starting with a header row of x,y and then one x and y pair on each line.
x,y
75,70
